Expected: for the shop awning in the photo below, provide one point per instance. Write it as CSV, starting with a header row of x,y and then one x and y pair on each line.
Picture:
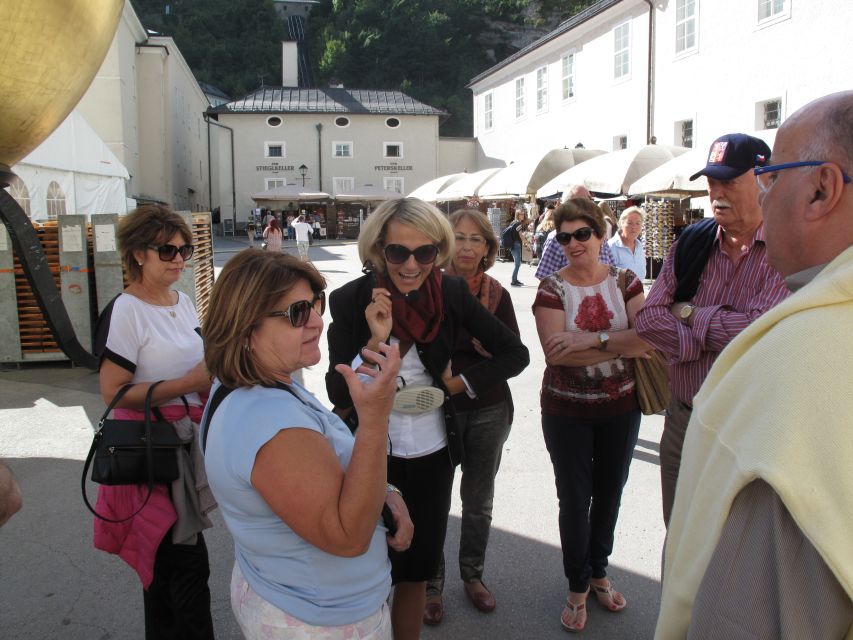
x,y
525,176
290,193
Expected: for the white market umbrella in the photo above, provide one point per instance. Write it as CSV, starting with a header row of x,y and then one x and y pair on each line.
x,y
613,172
525,176
428,191
673,177
290,193
465,187
367,193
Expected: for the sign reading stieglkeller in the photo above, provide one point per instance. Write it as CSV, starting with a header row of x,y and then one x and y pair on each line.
x,y
393,167
275,166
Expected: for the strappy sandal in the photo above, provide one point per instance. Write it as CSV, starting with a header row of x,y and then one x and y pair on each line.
x,y
574,616
607,597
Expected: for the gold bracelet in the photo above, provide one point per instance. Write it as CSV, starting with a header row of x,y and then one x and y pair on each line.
x,y
390,488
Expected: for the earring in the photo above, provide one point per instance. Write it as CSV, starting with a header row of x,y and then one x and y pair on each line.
x,y
139,263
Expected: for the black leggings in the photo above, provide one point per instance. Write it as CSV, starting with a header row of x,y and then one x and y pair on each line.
x,y
591,457
177,603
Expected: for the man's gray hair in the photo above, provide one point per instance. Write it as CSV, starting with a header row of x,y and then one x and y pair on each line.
x,y
833,137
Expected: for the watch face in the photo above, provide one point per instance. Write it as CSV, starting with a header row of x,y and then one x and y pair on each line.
x,y
603,337
686,310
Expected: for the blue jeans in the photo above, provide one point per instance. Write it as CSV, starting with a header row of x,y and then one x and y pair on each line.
x,y
516,256
591,457
484,432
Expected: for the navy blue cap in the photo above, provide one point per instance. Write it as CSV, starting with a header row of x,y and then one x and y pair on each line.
x,y
733,155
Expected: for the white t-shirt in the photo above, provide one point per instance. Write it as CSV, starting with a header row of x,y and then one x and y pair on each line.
x,y
154,342
303,231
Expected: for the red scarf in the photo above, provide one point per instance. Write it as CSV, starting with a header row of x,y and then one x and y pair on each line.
x,y
416,320
482,286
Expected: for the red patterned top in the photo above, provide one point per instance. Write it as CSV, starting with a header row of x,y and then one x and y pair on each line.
x,y
599,390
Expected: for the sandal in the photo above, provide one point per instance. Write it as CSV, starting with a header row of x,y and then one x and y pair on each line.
x,y
434,610
608,597
573,617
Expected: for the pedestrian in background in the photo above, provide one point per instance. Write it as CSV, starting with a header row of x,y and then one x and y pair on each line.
x,y
272,235
303,237
626,246
515,229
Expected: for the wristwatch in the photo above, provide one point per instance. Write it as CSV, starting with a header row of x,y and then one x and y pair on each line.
x,y
603,339
686,312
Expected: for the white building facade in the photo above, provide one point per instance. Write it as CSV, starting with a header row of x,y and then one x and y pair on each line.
x,y
681,72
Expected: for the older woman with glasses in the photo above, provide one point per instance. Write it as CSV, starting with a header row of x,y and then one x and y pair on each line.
x,y
150,334
300,495
484,421
405,300
626,246
590,416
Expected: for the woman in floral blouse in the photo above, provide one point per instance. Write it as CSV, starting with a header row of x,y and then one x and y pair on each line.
x,y
590,416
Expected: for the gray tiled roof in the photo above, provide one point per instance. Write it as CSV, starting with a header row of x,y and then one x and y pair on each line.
x,y
327,100
578,19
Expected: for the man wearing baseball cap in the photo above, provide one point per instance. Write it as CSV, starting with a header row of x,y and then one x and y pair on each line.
x,y
713,284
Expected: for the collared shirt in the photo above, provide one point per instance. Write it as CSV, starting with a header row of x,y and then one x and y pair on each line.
x,y
797,281
553,259
624,258
730,296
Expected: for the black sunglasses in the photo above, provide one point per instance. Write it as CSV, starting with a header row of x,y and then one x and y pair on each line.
x,y
300,311
398,254
167,252
581,235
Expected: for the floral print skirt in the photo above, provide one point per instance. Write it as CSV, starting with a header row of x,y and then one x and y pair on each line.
x,y
260,620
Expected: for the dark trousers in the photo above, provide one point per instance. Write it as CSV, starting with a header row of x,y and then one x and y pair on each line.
x,y
591,457
516,257
671,444
484,432
177,603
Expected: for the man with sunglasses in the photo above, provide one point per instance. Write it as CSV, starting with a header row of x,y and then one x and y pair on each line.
x,y
705,296
553,259
760,532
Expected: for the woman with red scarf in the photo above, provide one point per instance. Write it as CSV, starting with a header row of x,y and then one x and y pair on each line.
x,y
404,298
483,421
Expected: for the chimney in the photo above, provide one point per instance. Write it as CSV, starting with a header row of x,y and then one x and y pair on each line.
x,y
289,64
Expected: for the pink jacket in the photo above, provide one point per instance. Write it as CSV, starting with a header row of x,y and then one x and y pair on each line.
x,y
136,541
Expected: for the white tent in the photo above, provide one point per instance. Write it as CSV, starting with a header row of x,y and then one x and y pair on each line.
x,y
291,192
429,190
527,175
465,187
72,171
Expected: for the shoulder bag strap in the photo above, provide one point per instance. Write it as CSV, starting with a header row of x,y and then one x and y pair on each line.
x,y
218,396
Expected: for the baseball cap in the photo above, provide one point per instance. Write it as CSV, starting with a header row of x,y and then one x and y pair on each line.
x,y
732,155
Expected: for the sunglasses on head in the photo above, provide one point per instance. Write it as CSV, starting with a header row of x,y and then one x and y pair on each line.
x,y
167,252
300,311
398,254
581,235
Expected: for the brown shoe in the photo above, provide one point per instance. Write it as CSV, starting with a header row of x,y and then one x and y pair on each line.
x,y
479,596
433,611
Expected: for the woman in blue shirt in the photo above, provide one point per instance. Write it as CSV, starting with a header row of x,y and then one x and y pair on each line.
x,y
626,246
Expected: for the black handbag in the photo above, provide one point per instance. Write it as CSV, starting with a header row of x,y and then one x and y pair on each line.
x,y
126,452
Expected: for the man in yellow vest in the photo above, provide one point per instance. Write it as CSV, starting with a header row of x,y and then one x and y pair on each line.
x,y
760,543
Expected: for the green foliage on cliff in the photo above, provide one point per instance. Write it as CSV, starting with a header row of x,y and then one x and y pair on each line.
x,y
429,49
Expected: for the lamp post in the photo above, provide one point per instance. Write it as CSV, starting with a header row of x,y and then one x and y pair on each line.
x,y
302,171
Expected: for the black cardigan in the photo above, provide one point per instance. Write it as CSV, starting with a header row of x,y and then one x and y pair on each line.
x,y
349,332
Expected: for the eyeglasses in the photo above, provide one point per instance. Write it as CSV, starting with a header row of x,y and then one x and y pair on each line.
x,y
581,235
398,254
766,176
167,252
477,241
300,311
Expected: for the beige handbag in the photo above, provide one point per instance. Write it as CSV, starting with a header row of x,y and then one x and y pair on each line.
x,y
651,375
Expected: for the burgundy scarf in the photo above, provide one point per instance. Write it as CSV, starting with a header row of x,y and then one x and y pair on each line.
x,y
482,286
416,320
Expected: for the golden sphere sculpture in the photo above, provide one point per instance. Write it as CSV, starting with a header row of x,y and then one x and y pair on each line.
x,y
49,52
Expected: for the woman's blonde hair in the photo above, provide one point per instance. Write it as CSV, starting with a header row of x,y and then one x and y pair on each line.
x,y
580,209
416,213
147,225
547,223
250,285
485,228
629,211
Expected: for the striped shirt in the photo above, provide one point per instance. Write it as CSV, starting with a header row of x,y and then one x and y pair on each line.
x,y
553,258
730,296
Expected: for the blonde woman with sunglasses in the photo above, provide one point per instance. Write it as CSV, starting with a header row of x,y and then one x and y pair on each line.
x,y
405,300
